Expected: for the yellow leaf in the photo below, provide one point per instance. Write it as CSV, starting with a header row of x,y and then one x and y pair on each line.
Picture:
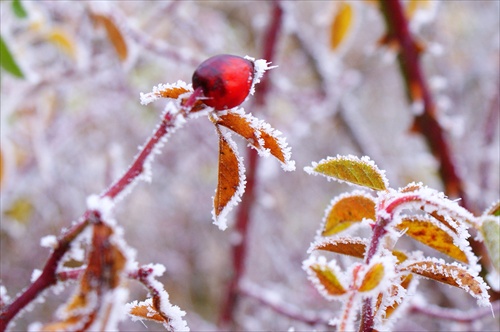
x,y
351,246
351,169
63,40
341,24
114,35
451,274
431,235
328,279
400,256
146,311
412,6
230,179
347,210
21,210
372,278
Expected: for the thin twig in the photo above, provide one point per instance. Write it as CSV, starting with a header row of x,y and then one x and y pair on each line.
x,y
243,214
467,317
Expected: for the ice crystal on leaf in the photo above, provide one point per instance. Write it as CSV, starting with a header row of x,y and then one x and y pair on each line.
x,y
386,275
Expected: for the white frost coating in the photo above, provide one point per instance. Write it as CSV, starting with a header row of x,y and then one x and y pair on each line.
x,y
35,274
389,278
3,294
333,241
173,312
437,266
103,205
365,160
221,220
49,241
260,67
111,311
493,279
322,263
260,127
147,98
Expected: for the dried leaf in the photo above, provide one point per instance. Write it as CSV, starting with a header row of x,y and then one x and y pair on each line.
x,y
490,229
114,35
7,61
258,134
145,310
231,179
428,233
372,278
62,40
405,283
341,24
346,210
102,276
327,278
451,274
351,169
351,246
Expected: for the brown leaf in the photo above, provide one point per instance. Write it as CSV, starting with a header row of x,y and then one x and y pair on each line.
x,y
372,278
114,35
146,311
241,125
346,210
428,233
231,179
451,274
351,246
341,24
351,169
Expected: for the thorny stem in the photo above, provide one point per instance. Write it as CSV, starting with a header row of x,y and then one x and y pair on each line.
x,y
418,92
49,275
239,249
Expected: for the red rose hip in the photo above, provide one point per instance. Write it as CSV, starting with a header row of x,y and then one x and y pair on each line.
x,y
225,79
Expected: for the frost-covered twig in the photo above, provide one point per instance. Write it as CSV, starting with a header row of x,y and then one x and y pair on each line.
x,y
458,316
243,215
270,300
418,92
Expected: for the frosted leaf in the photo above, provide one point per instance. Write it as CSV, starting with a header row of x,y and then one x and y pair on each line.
x,y
103,205
231,180
490,231
174,90
351,170
260,67
379,275
326,277
351,246
452,274
345,210
49,241
259,135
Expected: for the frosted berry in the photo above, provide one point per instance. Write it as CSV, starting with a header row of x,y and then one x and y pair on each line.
x,y
225,79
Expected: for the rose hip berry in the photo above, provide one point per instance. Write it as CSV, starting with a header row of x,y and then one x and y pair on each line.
x,y
225,79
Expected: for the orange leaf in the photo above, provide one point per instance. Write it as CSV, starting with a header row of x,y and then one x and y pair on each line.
x,y
351,169
346,210
451,274
145,310
114,35
372,278
428,233
351,246
327,278
231,179
341,24
258,134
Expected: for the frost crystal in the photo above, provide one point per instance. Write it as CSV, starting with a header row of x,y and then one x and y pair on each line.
x,y
147,98
49,241
260,67
103,205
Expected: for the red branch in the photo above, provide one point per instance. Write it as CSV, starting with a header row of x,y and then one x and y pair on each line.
x,y
239,250
49,275
417,89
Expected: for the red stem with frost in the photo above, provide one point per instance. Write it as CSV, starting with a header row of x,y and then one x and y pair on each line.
x,y
49,275
417,88
243,217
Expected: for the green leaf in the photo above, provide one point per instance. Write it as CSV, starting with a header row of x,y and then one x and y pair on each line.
x,y
493,210
490,229
351,169
18,9
7,61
